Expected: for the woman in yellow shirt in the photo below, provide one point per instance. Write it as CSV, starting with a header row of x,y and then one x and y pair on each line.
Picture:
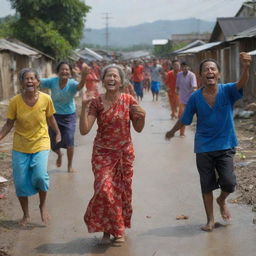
x,y
31,111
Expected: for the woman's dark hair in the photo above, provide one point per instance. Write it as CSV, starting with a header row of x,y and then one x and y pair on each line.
x,y
63,63
28,70
208,60
174,61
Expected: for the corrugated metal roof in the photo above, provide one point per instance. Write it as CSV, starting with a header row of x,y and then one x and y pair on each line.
x,y
252,52
233,25
201,48
16,41
249,5
135,55
159,41
19,49
86,53
251,32
75,56
191,45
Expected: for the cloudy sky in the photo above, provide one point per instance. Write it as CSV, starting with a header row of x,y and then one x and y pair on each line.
x,y
125,13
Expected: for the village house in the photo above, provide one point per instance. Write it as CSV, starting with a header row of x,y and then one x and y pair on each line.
x,y
189,38
230,36
15,55
248,9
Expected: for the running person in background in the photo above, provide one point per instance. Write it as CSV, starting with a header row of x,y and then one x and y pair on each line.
x,y
171,88
63,91
127,71
215,138
157,74
147,77
137,78
127,87
186,84
91,82
96,69
30,110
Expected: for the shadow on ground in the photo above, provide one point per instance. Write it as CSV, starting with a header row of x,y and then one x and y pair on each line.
x,y
177,231
79,246
14,225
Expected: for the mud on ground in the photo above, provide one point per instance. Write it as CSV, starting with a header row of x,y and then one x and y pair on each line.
x,y
245,161
7,234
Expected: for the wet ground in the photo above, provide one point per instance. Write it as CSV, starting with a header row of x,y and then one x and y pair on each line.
x,y
165,185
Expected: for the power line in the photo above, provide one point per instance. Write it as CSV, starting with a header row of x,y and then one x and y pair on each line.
x,y
107,34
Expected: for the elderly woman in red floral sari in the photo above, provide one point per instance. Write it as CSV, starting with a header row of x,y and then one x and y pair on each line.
x,y
110,210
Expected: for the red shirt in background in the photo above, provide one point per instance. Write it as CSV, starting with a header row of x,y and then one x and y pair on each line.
x,y
171,81
91,82
138,74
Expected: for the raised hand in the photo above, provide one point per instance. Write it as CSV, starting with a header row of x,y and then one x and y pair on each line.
x,y
246,59
85,70
87,98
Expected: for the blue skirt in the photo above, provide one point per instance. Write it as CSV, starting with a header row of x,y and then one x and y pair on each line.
x,y
155,86
138,89
30,172
67,126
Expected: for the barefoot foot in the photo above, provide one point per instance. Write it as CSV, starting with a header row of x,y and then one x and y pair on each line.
x,y
24,221
208,227
226,216
59,160
173,116
44,215
71,169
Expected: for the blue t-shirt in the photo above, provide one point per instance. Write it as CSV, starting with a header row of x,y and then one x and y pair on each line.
x,y
63,99
215,128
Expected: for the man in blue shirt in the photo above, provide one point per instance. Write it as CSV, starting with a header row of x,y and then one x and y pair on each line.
x,y
215,138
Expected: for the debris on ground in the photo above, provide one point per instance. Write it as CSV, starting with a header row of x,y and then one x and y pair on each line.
x,y
182,217
245,160
3,252
2,179
241,113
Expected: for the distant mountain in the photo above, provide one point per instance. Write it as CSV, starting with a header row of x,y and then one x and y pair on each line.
x,y
146,32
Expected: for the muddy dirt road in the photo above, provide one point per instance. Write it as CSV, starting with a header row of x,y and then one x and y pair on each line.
x,y
165,185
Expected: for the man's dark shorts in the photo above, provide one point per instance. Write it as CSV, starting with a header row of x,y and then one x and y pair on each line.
x,y
216,169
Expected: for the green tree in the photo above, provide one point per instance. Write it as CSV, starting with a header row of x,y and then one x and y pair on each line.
x,y
162,50
53,26
6,26
144,47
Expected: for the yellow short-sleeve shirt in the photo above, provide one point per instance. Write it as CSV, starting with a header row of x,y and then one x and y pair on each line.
x,y
31,129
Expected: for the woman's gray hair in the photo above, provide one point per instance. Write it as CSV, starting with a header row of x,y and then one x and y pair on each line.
x,y
119,68
28,70
126,82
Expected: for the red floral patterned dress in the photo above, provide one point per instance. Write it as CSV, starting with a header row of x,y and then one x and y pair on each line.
x,y
110,208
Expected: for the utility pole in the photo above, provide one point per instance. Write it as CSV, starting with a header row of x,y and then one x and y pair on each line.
x,y
107,18
254,8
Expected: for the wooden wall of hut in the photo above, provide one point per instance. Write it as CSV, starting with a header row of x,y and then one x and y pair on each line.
x,y
11,64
